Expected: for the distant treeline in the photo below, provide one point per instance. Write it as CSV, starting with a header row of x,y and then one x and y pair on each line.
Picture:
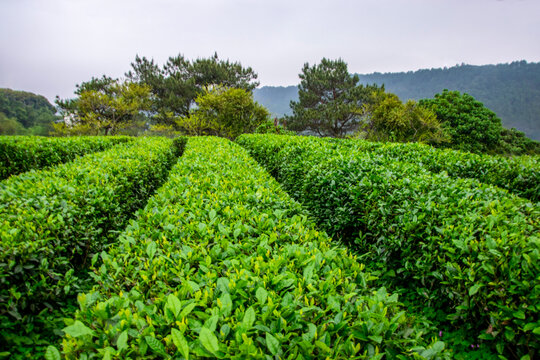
x,y
512,90
25,113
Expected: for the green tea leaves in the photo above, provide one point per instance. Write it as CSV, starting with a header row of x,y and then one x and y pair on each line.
x,y
155,345
209,340
174,305
121,343
78,329
272,344
249,318
52,353
180,343
262,295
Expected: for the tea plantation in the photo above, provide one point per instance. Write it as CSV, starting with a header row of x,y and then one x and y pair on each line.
x,y
273,247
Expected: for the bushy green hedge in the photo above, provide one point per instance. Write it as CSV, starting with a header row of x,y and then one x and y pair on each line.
x,y
52,221
19,154
465,251
519,175
223,264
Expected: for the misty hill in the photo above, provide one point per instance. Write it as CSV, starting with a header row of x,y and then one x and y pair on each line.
x,y
512,90
25,113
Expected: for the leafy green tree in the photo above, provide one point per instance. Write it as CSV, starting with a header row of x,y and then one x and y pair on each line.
x,y
176,85
470,125
227,112
103,106
330,100
388,119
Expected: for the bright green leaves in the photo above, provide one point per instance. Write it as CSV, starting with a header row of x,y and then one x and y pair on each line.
x,y
272,344
56,220
121,343
23,153
151,249
156,345
249,318
227,275
52,353
226,305
209,341
180,343
78,329
455,244
474,289
262,295
174,305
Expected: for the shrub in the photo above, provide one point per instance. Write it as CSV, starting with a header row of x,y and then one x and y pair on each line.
x,y
223,264
52,222
22,153
467,252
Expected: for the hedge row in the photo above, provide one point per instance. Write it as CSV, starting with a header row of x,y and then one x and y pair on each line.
x,y
223,264
519,175
52,221
465,250
19,154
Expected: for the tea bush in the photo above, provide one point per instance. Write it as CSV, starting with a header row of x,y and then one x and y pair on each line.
x,y
223,264
52,222
519,175
466,252
19,154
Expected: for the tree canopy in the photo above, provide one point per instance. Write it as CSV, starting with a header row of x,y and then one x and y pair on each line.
x,y
103,106
388,119
176,84
227,112
470,125
330,100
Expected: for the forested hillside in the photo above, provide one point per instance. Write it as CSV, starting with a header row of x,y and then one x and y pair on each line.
x,y
512,90
25,113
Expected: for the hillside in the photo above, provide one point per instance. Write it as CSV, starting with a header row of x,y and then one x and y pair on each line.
x,y
25,113
510,90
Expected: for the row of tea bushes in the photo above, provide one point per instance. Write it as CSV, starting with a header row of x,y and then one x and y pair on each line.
x,y
52,221
223,264
460,248
19,154
519,175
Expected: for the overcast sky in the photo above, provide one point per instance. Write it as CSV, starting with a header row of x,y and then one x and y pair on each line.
x,y
48,46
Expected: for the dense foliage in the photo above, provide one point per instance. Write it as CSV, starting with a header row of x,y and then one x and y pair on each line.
x,y
176,84
388,119
225,112
471,126
103,107
512,90
53,221
464,253
223,264
24,113
330,101
19,154
519,174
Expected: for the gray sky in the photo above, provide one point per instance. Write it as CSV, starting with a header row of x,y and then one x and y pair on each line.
x,y
48,46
